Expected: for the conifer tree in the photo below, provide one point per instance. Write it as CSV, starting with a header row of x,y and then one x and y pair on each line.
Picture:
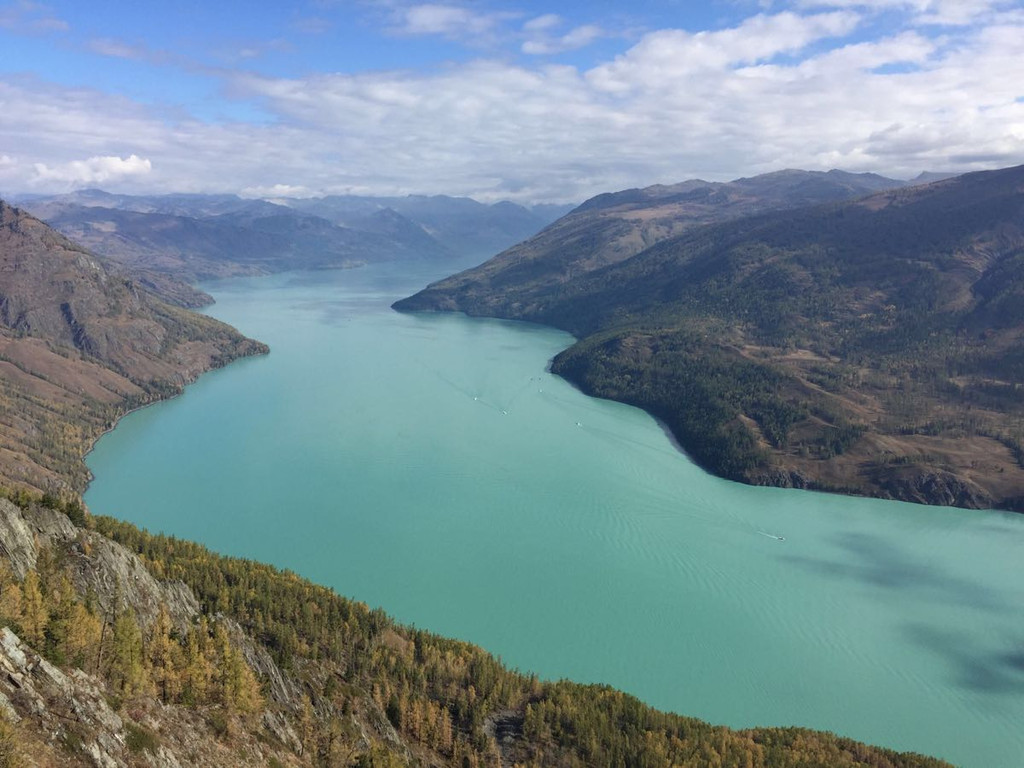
x,y
127,670
33,612
165,658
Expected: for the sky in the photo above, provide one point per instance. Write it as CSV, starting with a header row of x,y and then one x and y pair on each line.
x,y
498,99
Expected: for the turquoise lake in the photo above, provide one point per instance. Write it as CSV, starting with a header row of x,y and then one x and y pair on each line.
x,y
430,465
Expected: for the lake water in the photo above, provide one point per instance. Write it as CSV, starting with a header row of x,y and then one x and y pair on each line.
x,y
429,464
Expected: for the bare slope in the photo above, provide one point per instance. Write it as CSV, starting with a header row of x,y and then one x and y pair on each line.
x,y
78,346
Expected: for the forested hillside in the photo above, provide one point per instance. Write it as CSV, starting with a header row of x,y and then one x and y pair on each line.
x,y
210,660
869,347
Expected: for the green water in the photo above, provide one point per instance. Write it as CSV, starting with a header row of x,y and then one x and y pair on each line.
x,y
429,464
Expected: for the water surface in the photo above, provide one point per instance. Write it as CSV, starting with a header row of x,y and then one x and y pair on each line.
x,y
429,464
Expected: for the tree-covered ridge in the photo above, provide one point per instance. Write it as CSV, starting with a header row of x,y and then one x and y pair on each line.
x,y
868,346
452,700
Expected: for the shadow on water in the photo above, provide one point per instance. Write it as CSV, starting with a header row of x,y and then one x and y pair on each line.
x,y
994,666
877,562
973,666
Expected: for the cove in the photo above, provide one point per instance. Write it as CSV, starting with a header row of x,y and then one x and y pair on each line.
x,y
429,464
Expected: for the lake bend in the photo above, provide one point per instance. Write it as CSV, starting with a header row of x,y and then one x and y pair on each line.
x,y
429,464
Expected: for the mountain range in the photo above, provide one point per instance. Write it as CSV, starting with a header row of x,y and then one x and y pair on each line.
x,y
170,242
822,330
120,648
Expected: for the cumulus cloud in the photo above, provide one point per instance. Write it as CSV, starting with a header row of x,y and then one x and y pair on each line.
x,y
95,170
777,90
664,58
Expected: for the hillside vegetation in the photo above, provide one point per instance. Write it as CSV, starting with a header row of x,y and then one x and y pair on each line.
x,y
870,346
214,661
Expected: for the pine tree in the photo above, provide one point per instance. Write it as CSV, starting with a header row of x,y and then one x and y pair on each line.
x,y
197,678
83,637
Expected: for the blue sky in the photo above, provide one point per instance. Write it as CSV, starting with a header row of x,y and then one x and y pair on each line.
x,y
499,99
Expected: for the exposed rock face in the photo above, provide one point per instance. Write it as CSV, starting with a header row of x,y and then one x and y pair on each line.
x,y
69,711
17,541
937,487
33,688
116,576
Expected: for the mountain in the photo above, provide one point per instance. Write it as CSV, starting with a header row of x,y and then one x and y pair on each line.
x,y
121,648
463,226
79,346
869,346
612,227
254,238
169,242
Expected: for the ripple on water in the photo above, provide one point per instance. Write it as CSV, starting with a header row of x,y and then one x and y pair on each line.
x,y
429,464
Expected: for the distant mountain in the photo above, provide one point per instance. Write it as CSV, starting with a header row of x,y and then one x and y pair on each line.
x,y
927,177
253,238
869,346
169,241
78,346
463,226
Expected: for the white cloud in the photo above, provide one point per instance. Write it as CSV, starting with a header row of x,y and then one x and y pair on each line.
x,y
277,191
580,37
118,49
663,58
924,12
95,170
721,104
543,23
454,22
26,17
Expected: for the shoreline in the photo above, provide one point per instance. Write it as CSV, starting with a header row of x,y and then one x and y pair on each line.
x,y
777,477
262,349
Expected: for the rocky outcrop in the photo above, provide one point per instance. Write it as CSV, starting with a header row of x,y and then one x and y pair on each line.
x,y
116,576
17,540
936,487
66,706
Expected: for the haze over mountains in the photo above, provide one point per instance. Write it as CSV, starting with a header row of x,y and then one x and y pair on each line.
x,y
869,346
165,240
